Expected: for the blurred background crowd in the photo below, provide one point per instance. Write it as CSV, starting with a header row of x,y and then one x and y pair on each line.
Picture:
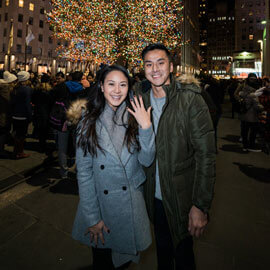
x,y
35,105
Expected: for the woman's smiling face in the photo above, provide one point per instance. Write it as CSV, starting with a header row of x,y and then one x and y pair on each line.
x,y
115,88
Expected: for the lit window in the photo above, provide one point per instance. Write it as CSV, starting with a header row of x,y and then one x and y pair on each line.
x,y
250,37
21,2
7,2
31,6
250,13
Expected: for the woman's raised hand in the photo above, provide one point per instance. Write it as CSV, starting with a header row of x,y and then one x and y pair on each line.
x,y
142,116
96,232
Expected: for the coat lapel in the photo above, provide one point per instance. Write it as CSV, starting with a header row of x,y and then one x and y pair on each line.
x,y
105,140
125,155
107,145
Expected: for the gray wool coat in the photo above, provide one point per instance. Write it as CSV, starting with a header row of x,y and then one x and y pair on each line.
x,y
110,189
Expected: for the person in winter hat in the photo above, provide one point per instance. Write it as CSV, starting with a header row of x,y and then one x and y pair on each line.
x,y
21,111
6,87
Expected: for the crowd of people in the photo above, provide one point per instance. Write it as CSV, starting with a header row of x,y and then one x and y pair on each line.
x,y
27,98
250,99
145,149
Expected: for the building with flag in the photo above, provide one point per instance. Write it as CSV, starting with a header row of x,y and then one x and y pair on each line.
x,y
26,40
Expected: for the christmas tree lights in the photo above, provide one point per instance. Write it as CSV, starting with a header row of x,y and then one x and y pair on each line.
x,y
104,31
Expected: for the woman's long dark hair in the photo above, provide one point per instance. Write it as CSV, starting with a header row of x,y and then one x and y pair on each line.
x,y
88,139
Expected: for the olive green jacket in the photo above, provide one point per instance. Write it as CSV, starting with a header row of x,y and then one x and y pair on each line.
x,y
185,150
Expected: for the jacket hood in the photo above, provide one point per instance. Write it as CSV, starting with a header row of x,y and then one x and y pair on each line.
x,y
188,79
182,83
75,110
74,87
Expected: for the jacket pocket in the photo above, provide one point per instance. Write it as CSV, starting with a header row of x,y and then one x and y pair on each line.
x,y
183,184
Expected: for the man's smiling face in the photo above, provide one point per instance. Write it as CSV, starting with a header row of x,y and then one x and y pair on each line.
x,y
157,67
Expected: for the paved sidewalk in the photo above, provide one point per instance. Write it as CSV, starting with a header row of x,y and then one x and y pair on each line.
x,y
35,229
14,171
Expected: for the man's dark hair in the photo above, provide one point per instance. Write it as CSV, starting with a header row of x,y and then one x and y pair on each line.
x,y
77,76
156,46
60,74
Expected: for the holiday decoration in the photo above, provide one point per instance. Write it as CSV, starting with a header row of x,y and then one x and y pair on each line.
x,y
106,31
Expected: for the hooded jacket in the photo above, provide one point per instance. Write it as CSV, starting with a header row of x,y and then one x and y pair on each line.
x,y
185,151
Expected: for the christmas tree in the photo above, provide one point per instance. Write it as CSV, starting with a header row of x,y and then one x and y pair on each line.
x,y
102,31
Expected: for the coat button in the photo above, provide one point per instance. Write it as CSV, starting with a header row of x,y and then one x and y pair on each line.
x,y
124,188
106,192
102,167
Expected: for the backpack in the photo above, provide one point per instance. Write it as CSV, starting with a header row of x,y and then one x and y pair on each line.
x,y
58,115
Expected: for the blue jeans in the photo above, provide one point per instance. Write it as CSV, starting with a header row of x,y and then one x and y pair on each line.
x,y
62,146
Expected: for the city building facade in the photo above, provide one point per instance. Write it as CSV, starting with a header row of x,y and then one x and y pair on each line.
x,y
248,24
190,49
18,18
22,20
248,56
203,25
220,40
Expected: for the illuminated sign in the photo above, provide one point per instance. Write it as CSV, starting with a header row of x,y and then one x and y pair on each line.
x,y
246,55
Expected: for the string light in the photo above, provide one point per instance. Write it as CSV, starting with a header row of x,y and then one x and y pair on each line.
x,y
104,31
